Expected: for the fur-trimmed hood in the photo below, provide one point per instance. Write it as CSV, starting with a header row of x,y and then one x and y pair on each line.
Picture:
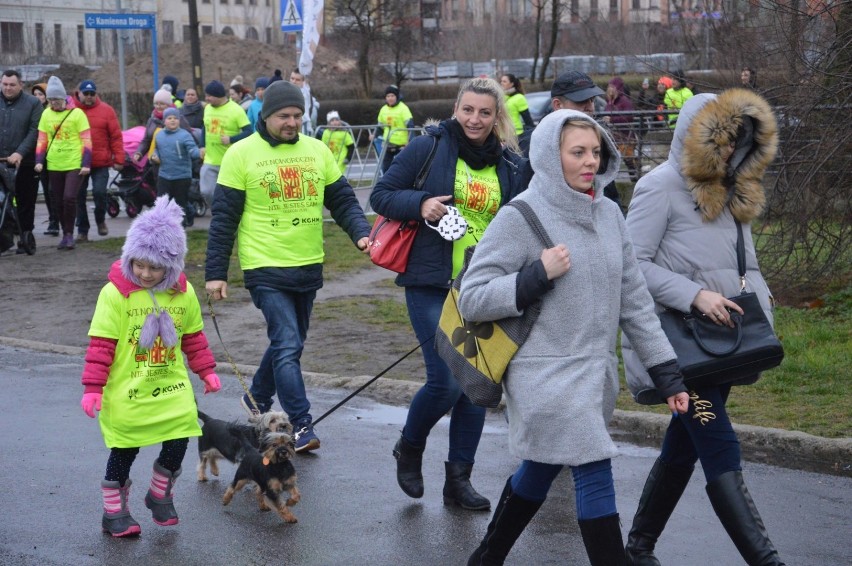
x,y
709,123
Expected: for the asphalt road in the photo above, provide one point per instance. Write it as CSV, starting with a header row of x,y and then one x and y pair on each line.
x,y
351,510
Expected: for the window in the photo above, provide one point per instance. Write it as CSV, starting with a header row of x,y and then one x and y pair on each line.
x,y
575,11
238,1
613,7
168,31
223,1
39,38
593,10
251,33
637,4
81,40
12,37
99,45
268,35
206,30
57,39
187,33
253,2
205,1
227,30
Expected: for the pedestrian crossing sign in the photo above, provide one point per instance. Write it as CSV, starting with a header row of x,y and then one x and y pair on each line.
x,y
291,15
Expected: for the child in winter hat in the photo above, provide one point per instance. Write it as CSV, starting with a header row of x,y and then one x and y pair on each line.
x,y
146,319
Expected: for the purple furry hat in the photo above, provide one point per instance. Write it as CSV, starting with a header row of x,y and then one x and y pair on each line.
x,y
157,237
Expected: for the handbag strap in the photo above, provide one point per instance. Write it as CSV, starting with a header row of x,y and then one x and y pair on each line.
x,y
741,260
533,220
424,170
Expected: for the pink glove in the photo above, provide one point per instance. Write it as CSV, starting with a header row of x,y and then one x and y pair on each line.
x,y
211,383
91,402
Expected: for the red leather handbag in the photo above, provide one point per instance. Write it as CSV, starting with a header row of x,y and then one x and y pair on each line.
x,y
390,242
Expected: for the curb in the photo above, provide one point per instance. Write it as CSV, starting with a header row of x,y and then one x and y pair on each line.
x,y
786,449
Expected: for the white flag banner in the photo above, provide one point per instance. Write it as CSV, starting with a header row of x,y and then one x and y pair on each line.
x,y
311,13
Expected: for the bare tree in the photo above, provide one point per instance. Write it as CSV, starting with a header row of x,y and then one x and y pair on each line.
x,y
556,9
364,23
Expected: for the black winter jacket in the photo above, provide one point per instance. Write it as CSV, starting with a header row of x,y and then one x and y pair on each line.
x,y
19,126
430,262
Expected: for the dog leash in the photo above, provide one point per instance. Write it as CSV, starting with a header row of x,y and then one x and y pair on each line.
x,y
363,387
228,354
338,405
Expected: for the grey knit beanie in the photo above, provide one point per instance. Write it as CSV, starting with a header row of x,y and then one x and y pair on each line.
x,y
55,88
281,94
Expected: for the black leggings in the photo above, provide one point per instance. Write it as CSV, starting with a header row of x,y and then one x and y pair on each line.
x,y
121,459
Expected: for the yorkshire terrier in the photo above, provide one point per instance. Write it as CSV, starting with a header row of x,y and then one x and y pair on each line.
x,y
272,471
221,439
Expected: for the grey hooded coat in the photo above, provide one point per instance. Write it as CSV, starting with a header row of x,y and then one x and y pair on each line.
x,y
562,384
681,216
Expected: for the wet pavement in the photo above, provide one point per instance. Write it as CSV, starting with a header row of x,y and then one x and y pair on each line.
x,y
352,511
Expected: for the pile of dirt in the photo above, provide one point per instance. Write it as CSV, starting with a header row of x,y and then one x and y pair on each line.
x,y
223,57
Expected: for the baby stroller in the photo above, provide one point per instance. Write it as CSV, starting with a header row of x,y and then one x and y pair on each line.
x,y
136,184
9,225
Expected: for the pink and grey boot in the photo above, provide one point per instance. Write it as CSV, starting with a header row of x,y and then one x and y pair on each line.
x,y
159,496
117,520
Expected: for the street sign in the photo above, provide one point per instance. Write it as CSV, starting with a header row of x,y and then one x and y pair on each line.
x,y
120,21
291,15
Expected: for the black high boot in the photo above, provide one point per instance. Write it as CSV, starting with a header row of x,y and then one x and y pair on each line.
x,y
511,517
457,488
602,537
735,508
409,463
663,488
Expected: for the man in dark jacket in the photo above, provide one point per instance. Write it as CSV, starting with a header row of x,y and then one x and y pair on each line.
x,y
270,191
19,116
107,152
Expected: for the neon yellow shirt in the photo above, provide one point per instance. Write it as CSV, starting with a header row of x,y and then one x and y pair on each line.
x,y
394,117
477,196
285,185
148,397
228,119
337,141
65,149
516,104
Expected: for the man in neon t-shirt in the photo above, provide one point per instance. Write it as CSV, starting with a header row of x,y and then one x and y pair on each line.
x,y
394,115
225,123
270,194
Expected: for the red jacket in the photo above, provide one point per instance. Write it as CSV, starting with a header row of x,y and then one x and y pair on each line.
x,y
107,144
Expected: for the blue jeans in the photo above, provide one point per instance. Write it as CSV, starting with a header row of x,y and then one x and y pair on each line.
x,y
441,392
100,178
287,316
594,488
704,432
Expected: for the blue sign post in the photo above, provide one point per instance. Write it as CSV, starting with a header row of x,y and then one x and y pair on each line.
x,y
129,21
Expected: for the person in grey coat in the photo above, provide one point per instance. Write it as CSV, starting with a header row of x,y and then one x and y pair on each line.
x,y
561,386
682,222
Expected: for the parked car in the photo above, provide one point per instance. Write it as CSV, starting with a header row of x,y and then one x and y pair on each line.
x,y
539,103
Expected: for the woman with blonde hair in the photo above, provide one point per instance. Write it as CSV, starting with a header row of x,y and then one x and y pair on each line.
x,y
475,168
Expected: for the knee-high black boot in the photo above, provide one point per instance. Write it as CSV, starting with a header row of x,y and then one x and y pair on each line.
x,y
604,544
735,508
511,517
663,489
409,463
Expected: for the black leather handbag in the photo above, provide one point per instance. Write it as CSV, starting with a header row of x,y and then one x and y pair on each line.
x,y
712,354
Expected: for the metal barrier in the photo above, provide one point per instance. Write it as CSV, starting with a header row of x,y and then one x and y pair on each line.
x,y
648,140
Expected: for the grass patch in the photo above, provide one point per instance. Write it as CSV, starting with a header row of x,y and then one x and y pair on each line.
x,y
382,313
